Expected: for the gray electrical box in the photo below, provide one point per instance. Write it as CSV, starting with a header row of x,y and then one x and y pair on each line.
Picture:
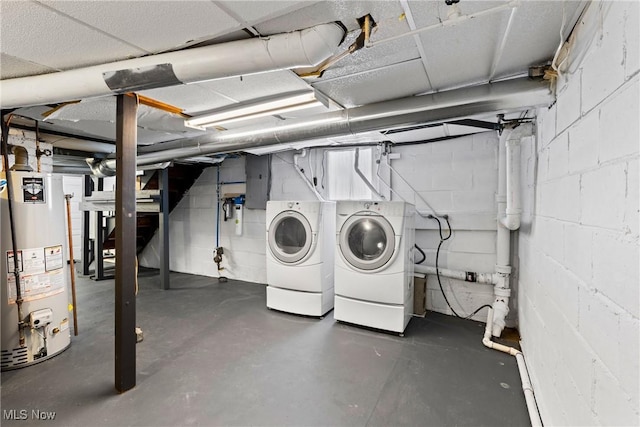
x,y
258,180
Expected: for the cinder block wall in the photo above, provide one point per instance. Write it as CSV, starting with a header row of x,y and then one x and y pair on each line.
x,y
579,283
458,177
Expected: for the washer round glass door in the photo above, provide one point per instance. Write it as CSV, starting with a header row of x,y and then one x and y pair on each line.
x,y
290,237
367,241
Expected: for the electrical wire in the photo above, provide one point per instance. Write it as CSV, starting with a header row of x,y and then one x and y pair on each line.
x,y
442,240
424,256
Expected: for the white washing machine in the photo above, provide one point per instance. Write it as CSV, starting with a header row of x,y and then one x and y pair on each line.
x,y
300,252
374,264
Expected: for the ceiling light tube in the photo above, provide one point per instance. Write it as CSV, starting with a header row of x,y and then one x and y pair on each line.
x,y
262,107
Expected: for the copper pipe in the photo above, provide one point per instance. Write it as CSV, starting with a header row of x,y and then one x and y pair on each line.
x,y
72,265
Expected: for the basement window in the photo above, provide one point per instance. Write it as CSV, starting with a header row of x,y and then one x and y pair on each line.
x,y
342,180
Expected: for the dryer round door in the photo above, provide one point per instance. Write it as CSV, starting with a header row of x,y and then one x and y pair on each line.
x,y
290,237
367,241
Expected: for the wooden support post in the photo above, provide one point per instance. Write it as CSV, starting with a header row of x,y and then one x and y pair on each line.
x,y
126,137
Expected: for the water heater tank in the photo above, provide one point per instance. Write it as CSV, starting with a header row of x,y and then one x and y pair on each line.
x,y
38,207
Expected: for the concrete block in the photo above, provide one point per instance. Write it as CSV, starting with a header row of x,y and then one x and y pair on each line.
x,y
568,104
611,405
455,180
629,334
441,201
599,327
559,156
473,201
583,143
578,360
578,251
550,235
602,197
632,38
485,141
619,130
453,145
615,269
485,179
575,402
603,68
462,261
473,242
632,205
546,125
543,165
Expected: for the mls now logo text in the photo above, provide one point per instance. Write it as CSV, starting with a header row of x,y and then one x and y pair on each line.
x,y
23,414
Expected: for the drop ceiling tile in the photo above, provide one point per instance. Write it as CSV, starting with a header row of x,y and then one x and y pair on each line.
x,y
243,88
535,34
463,53
11,67
252,12
35,33
395,81
192,98
152,25
387,14
394,52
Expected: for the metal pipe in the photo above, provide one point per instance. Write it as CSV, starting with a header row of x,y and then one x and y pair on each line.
x,y
304,48
72,265
506,95
14,243
362,177
303,176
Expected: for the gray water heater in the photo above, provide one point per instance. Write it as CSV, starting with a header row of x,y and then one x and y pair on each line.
x,y
42,330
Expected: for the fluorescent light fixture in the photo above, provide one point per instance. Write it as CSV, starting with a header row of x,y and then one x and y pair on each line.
x,y
261,107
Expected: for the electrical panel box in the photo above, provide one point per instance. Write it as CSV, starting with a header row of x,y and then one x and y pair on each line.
x,y
40,318
258,181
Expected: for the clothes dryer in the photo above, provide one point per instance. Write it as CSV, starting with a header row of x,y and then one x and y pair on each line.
x,y
300,256
374,264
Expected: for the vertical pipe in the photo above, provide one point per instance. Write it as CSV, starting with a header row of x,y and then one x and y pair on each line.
x,y
164,228
125,310
218,208
14,244
86,216
99,254
72,265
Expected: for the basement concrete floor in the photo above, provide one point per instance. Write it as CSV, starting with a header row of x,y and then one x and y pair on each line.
x,y
213,354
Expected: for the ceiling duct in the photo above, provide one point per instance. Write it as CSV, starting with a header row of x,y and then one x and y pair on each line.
x,y
505,96
304,48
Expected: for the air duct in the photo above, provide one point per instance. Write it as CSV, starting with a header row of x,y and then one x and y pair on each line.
x,y
304,48
510,95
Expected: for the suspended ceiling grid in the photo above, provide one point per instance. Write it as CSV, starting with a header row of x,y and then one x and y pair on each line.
x,y
40,37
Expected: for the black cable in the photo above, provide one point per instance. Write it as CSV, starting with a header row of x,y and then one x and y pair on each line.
x,y
442,240
424,256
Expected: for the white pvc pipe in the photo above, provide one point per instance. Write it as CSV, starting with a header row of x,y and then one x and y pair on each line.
x,y
303,176
305,48
527,388
467,276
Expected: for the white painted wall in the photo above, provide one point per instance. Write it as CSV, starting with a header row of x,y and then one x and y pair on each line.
x,y
192,232
579,283
458,177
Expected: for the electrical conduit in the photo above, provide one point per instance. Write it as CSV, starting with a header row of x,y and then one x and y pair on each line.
x,y
362,177
303,176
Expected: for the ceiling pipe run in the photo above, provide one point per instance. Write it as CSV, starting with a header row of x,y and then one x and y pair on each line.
x,y
304,48
505,96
